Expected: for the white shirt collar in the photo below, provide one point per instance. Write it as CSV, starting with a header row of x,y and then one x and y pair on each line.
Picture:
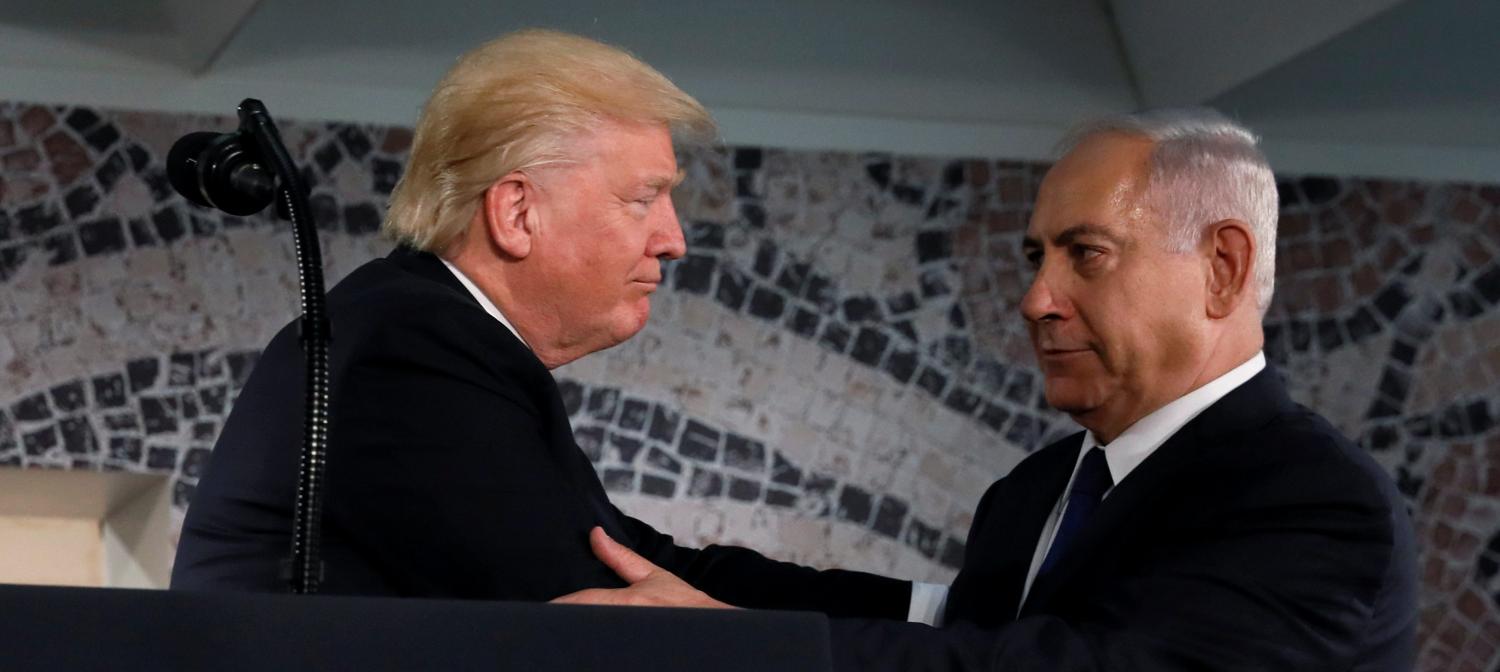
x,y
1139,440
484,301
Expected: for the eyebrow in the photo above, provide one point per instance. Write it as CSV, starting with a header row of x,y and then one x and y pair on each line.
x,y
1070,234
665,183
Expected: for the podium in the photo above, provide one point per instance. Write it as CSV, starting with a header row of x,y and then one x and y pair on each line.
x,y
79,629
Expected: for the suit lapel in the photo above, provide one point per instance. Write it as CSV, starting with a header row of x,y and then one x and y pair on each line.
x,y
1127,507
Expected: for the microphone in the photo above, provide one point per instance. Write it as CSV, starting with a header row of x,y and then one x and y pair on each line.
x,y
221,170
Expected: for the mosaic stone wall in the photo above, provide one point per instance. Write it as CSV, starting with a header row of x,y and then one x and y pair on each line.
x,y
833,374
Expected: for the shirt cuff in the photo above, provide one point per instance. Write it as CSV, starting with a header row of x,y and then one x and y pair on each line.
x,y
927,603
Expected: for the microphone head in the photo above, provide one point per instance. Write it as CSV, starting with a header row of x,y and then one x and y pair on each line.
x,y
220,170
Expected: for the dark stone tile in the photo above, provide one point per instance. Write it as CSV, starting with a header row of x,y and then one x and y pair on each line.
x,y
139,157
935,283
664,424
241,364
1477,413
156,180
142,373
901,364
182,494
109,171
634,414
182,370
625,447
784,472
325,212
619,480
81,119
386,174
656,486
1025,432
663,460
745,187
1487,284
869,346
102,138
747,158
956,317
161,458
210,365
81,200
907,331
69,397
956,351
890,517
1452,424
821,292
1403,352
804,323
1319,190
213,399
908,194
765,259
103,236
854,505
880,173
766,304
901,303
744,490
39,442
1329,338
355,141
780,498
63,247
932,380
1465,305
125,449
11,259
923,538
994,416
1391,300
754,215
206,431
1361,325
934,246
704,236
328,156
159,414
141,233
37,219
603,402
694,273
1299,336
818,489
705,483
109,390
32,408
572,396
78,436
953,175
169,226
733,286
861,308
1394,384
122,422
188,405
744,454
962,400
792,277
953,553
361,219
699,442
194,462
835,336
590,440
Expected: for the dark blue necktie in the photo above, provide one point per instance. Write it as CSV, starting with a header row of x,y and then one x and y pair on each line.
x,y
1089,486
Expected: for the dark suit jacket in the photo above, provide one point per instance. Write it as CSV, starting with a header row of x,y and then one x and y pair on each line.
x,y
1256,538
452,470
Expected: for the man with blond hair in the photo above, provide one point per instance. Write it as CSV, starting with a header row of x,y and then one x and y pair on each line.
x,y
532,220
1203,520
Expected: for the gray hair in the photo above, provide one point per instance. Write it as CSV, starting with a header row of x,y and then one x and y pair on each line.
x,y
1204,169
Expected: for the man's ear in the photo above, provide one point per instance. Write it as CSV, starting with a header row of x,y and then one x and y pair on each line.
x,y
1230,250
509,213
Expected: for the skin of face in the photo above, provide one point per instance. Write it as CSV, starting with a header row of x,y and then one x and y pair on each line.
x,y
1116,319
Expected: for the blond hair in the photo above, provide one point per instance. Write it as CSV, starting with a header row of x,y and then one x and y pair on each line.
x,y
512,104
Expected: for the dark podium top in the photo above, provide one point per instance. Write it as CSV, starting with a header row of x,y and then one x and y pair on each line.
x,y
97,628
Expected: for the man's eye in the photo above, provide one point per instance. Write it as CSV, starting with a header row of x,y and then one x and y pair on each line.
x,y
1034,258
1086,253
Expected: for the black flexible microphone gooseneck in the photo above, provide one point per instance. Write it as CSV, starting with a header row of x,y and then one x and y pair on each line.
x,y
241,173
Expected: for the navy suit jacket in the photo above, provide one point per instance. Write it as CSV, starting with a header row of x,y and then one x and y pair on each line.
x,y
1256,538
453,471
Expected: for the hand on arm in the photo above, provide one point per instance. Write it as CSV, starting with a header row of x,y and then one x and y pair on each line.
x,y
650,586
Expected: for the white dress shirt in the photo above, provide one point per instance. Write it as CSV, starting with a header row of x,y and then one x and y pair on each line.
x,y
484,301
1123,455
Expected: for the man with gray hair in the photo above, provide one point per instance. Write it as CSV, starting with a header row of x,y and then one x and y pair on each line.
x,y
1203,520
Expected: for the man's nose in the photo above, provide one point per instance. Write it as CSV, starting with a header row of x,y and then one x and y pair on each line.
x,y
1040,301
667,241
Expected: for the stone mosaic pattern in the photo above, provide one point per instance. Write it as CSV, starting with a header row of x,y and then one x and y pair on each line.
x,y
833,375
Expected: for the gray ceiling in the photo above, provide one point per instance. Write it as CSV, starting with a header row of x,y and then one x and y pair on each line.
x,y
1366,87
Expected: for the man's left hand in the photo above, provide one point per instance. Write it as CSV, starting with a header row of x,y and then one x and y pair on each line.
x,y
650,586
